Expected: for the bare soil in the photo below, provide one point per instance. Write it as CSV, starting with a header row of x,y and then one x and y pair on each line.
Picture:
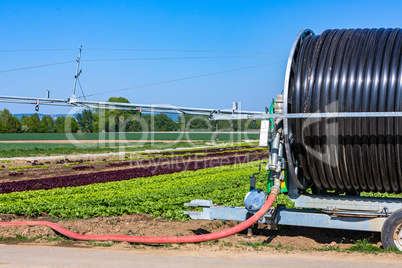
x,y
286,240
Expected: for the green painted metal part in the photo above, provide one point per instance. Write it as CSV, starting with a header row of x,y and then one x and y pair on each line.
x,y
284,183
270,182
271,111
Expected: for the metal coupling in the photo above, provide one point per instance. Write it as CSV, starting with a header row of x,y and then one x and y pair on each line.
x,y
273,159
276,156
275,190
278,106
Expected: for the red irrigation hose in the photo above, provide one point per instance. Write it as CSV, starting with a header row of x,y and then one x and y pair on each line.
x,y
152,239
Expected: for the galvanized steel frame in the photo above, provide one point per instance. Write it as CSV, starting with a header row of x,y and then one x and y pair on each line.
x,y
359,221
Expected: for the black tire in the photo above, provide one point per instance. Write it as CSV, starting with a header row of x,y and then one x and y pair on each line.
x,y
391,233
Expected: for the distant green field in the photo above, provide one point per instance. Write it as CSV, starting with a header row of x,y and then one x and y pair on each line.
x,y
129,136
8,150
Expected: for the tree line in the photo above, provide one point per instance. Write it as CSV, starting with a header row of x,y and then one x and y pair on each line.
x,y
116,121
33,124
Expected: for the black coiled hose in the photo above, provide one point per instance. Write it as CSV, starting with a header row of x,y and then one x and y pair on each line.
x,y
355,70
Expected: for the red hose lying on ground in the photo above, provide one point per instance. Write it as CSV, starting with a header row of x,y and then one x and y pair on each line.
x,y
152,239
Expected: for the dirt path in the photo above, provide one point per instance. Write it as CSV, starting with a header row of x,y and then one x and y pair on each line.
x,y
39,256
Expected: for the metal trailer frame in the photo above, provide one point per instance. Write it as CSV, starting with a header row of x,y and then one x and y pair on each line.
x,y
320,211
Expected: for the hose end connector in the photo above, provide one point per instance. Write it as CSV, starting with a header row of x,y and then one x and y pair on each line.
x,y
276,190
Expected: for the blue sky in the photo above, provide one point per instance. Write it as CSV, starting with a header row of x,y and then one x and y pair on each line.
x,y
220,25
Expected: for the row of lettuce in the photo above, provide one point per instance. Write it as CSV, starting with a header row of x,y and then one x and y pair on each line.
x,y
162,195
122,174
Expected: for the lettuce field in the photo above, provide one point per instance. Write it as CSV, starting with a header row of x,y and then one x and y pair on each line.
x,y
119,175
162,195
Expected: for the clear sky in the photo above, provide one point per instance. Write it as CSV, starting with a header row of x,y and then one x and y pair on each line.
x,y
243,32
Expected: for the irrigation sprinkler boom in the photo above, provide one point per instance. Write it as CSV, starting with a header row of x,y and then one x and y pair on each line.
x,y
74,102
213,114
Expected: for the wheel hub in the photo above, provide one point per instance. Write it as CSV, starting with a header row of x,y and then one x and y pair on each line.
x,y
398,237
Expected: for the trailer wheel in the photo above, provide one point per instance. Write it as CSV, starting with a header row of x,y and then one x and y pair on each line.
x,y
391,233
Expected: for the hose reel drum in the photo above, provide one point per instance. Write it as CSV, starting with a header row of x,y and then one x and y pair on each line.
x,y
355,70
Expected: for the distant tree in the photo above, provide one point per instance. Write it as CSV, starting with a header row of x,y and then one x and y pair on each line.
x,y
118,99
85,121
59,124
225,125
70,125
9,123
194,122
74,124
13,125
34,124
134,124
164,123
148,120
24,123
114,120
47,124
95,121
4,116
